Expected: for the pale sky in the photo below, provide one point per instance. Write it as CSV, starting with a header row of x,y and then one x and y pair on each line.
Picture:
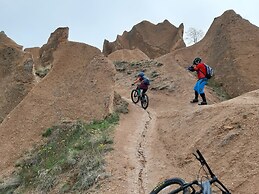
x,y
30,22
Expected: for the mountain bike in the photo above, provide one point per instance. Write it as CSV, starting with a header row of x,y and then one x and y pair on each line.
x,y
136,95
178,185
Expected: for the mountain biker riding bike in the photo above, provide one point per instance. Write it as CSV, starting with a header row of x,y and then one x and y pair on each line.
x,y
143,84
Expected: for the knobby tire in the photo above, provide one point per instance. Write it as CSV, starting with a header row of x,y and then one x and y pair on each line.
x,y
134,96
145,102
169,185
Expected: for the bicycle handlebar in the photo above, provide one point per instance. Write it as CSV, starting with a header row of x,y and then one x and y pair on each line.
x,y
203,162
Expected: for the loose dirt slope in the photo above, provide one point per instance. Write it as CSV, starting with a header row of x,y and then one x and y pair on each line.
x,y
158,143
16,78
128,55
231,47
79,86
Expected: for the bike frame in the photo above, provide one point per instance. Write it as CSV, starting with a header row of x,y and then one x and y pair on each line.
x,y
139,91
212,175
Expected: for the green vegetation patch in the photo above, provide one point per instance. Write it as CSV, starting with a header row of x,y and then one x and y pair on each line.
x,y
72,158
42,71
218,89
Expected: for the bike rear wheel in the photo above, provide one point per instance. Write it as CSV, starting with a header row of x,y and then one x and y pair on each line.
x,y
169,186
144,101
134,96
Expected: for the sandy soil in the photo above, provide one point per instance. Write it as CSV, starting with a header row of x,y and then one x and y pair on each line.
x,y
139,160
155,144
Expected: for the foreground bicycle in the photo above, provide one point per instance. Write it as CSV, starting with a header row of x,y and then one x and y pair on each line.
x,y
136,95
178,185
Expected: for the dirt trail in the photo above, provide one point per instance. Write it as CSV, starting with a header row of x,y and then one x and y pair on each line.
x,y
142,156
127,163
139,159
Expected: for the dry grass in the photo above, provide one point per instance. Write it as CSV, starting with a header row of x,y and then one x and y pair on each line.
x,y
74,151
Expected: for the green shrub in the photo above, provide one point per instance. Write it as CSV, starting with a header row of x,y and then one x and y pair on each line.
x,y
218,89
47,132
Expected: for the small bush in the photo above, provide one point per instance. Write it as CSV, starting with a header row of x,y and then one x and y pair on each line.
x,y
47,132
218,89
42,72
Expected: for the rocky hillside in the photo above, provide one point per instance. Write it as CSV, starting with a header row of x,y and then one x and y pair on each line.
x,y
16,77
128,55
75,81
153,40
79,86
231,47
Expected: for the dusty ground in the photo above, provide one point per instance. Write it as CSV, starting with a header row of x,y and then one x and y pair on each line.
x,y
154,144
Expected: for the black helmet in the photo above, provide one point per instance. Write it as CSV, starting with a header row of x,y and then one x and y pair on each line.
x,y
196,61
141,74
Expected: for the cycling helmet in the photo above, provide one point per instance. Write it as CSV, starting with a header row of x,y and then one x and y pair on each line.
x,y
196,61
141,74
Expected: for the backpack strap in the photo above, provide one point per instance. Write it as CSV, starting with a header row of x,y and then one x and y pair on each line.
x,y
202,71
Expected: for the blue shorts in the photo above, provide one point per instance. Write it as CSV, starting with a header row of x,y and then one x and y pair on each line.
x,y
200,84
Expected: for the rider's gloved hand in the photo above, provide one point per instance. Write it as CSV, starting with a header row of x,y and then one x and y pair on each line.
x,y
191,68
132,84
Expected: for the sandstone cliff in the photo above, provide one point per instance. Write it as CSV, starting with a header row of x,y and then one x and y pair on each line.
x,y
16,78
153,40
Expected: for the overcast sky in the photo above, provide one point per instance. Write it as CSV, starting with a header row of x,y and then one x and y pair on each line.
x,y
30,22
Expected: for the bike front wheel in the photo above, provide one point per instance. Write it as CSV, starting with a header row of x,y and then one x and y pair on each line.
x,y
144,101
134,96
170,185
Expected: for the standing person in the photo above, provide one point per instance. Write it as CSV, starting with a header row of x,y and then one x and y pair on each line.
x,y
200,68
144,82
